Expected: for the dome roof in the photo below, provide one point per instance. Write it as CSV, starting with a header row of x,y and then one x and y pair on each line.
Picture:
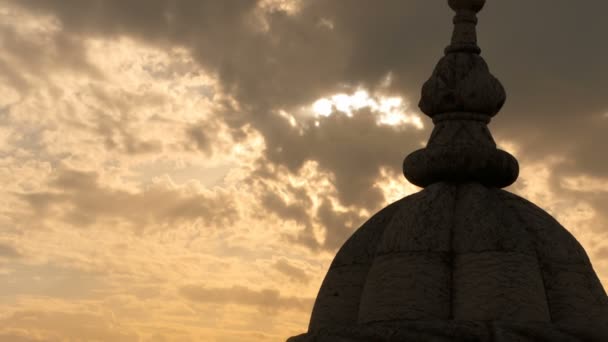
x,y
461,261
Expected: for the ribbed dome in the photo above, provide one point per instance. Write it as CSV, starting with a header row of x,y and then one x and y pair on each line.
x,y
461,261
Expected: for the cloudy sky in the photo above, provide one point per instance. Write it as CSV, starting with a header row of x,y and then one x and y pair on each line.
x,y
185,170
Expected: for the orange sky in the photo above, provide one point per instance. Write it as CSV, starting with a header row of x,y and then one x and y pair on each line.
x,y
185,171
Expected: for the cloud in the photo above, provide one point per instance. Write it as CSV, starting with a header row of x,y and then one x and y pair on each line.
x,y
18,336
9,251
339,224
232,51
299,59
78,198
602,253
296,211
270,59
35,52
266,299
57,326
201,138
292,272
353,150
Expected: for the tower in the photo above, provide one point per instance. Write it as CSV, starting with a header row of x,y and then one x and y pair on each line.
x,y
461,260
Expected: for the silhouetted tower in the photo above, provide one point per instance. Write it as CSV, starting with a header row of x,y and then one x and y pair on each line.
x,y
461,260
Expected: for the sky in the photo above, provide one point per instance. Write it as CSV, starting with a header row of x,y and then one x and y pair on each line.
x,y
186,170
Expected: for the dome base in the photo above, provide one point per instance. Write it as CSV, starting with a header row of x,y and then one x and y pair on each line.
x,y
439,331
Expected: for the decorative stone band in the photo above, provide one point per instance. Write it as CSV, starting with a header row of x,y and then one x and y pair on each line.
x,y
461,149
461,116
464,38
488,166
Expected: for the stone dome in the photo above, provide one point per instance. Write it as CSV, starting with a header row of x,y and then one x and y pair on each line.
x,y
460,262
463,259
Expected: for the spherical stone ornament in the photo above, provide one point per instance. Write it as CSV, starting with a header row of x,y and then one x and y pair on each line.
x,y
462,82
467,5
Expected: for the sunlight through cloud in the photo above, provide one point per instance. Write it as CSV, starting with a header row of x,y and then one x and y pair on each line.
x,y
322,107
390,111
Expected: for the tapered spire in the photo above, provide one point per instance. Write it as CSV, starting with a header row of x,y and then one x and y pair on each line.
x,y
464,37
461,97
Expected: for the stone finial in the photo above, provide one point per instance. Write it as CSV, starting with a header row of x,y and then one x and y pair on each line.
x,y
464,37
467,5
462,81
461,97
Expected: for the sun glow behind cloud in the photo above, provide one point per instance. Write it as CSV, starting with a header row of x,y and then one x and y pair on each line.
x,y
390,110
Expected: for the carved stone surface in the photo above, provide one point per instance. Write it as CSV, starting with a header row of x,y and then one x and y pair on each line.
x,y
461,97
467,5
339,297
450,331
461,262
490,167
462,82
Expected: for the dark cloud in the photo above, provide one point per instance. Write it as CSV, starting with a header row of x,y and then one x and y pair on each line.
x,y
117,136
292,272
296,205
339,224
266,299
27,57
602,253
297,211
79,199
596,198
201,138
116,118
352,149
555,94
9,251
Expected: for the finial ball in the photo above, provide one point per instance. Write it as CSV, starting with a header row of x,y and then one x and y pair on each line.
x,y
467,5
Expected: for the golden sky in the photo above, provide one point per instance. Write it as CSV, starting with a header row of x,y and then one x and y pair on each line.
x,y
186,170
